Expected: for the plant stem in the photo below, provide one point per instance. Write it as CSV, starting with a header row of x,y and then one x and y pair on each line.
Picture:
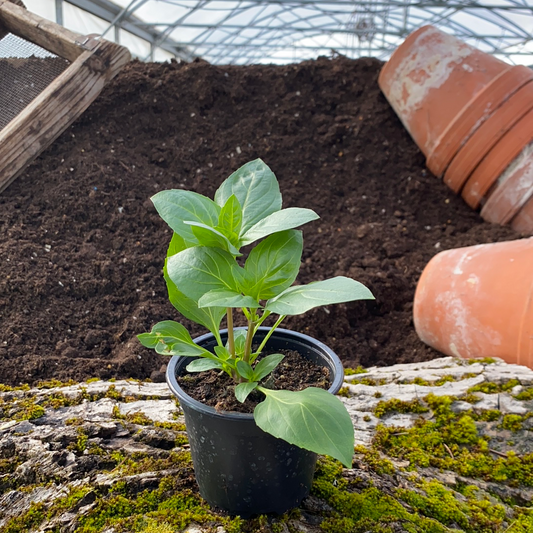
x,y
231,338
248,342
267,336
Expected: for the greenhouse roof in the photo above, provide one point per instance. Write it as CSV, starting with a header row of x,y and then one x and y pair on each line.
x,y
261,31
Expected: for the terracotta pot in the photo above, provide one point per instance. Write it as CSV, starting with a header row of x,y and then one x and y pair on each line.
x,y
477,302
497,160
475,115
523,221
513,189
487,135
431,78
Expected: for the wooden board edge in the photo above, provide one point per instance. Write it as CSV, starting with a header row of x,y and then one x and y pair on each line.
x,y
38,30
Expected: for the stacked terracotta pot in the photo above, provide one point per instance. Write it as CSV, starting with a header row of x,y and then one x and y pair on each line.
x,y
472,116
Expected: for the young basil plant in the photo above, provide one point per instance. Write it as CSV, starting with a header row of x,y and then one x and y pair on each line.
x,y
206,282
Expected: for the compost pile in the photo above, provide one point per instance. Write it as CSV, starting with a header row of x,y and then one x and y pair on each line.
x,y
82,248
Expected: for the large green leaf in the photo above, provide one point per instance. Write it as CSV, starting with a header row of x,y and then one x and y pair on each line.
x,y
198,270
175,206
209,317
242,390
266,365
300,298
227,298
201,365
208,236
171,338
230,219
256,189
285,219
312,419
273,264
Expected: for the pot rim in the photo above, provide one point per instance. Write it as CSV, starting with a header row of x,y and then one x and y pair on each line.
x,y
337,381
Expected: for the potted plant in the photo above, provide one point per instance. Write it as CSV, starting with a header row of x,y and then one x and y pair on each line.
x,y
249,464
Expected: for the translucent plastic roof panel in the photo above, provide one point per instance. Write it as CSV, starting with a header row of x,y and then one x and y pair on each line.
x,y
260,31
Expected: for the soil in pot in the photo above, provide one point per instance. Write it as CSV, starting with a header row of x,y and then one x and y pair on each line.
x,y
215,388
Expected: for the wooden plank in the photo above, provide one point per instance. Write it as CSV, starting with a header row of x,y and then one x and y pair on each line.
x,y
65,99
3,30
47,34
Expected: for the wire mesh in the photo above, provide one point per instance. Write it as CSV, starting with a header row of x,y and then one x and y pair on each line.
x,y
26,70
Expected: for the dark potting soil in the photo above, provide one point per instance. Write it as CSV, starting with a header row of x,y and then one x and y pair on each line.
x,y
216,388
82,248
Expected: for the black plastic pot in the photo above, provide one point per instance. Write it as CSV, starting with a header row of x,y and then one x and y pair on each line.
x,y
238,466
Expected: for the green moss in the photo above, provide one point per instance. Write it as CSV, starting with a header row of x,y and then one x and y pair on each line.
x,y
368,510
489,387
436,501
512,422
352,371
490,415
345,392
81,441
379,463
399,406
450,441
21,409
525,395
368,381
138,417
482,360
444,379
54,383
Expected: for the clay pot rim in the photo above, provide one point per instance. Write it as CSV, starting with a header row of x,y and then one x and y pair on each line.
x,y
489,133
503,153
480,108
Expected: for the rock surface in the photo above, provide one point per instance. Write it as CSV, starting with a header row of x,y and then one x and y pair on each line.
x,y
69,454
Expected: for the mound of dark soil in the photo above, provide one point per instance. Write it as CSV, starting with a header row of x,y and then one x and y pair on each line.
x,y
82,247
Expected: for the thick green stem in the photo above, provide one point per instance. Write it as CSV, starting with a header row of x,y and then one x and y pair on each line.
x,y
231,337
249,339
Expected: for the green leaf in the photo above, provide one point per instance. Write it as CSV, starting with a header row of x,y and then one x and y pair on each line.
x,y
257,190
273,264
175,206
230,219
300,298
227,298
222,353
177,244
242,390
285,219
266,365
170,338
209,317
198,270
312,419
200,365
208,236
240,341
245,370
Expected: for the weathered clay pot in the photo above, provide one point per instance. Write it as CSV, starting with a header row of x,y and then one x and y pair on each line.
x,y
523,221
487,135
432,77
512,190
475,115
478,302
506,150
